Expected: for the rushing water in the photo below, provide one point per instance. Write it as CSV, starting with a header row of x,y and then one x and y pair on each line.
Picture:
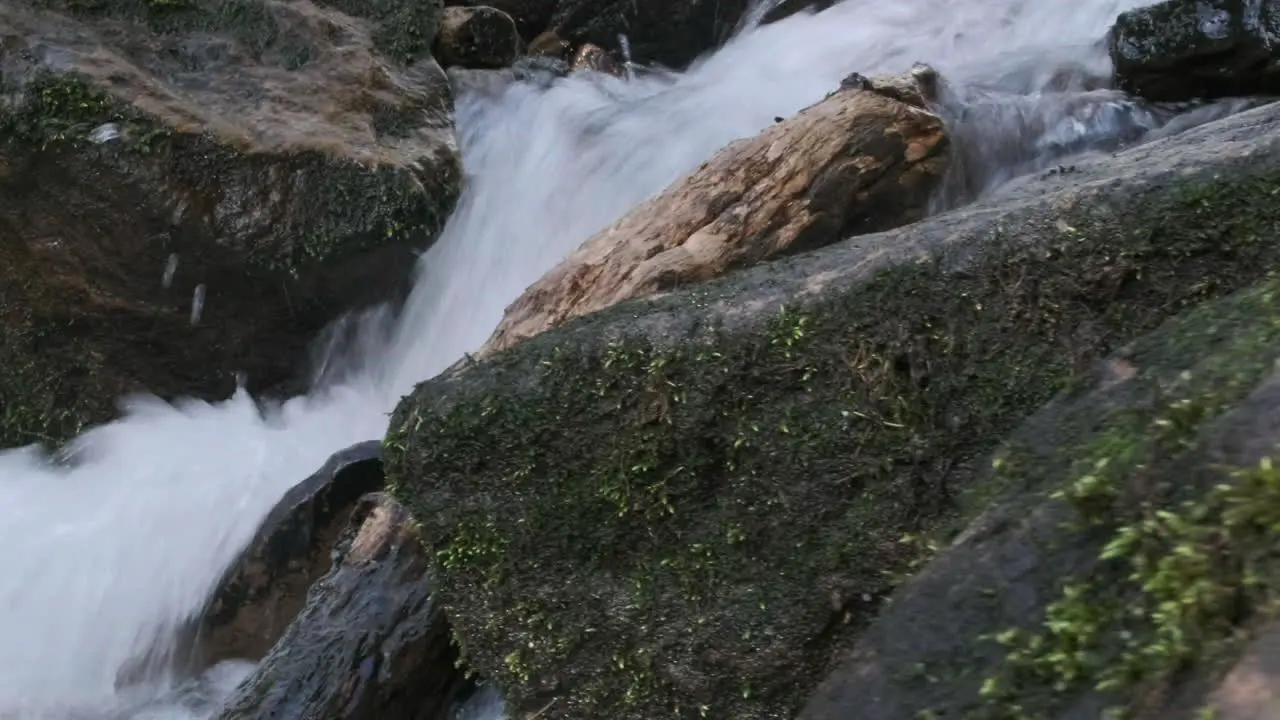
x,y
100,560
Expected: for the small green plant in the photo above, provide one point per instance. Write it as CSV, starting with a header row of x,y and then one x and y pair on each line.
x,y
1186,578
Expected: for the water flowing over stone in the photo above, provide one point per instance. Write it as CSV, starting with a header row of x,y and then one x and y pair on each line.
x,y
295,167
723,481
114,544
261,594
371,643
868,157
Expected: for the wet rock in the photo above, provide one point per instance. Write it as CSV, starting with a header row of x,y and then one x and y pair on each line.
x,y
263,591
866,158
593,58
549,44
667,32
1166,437
1188,49
998,135
212,181
704,496
476,37
370,643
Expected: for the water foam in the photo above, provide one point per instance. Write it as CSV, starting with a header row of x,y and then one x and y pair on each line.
x,y
101,558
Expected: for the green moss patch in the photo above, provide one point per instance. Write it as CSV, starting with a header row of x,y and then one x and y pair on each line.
x,y
347,209
1186,543
57,110
34,408
403,29
692,529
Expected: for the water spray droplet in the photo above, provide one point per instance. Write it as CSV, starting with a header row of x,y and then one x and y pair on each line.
x,y
104,133
625,44
170,268
197,304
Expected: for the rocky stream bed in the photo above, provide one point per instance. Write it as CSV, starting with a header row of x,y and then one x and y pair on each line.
x,y
845,423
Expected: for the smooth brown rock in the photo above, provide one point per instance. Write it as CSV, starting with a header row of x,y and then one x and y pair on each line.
x,y
263,591
266,587
549,44
865,159
370,643
476,37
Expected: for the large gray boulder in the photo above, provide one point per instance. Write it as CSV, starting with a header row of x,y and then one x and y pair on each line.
x,y
697,501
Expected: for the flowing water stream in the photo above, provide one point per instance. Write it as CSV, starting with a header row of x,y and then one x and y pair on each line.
x,y
101,559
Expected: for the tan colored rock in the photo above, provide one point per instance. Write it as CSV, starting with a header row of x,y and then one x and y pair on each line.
x,y
476,37
866,158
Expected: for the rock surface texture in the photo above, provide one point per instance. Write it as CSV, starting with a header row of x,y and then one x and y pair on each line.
x,y
193,190
692,504
476,37
357,654
1133,510
668,32
1189,49
867,158
263,591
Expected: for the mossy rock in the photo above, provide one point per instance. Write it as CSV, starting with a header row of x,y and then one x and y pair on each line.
x,y
688,505
1193,49
1136,542
263,160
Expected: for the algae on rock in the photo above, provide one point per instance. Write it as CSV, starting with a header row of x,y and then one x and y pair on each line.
x,y
194,189
1135,538
1192,49
688,505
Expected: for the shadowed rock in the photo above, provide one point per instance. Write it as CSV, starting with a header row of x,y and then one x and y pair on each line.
x,y
370,644
866,158
1189,49
193,190
668,32
266,588
476,37
701,498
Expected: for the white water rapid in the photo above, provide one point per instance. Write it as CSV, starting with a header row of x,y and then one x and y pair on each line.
x,y
100,559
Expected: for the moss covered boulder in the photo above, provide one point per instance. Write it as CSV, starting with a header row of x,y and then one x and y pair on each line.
x,y
1135,546
1190,49
688,505
192,189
